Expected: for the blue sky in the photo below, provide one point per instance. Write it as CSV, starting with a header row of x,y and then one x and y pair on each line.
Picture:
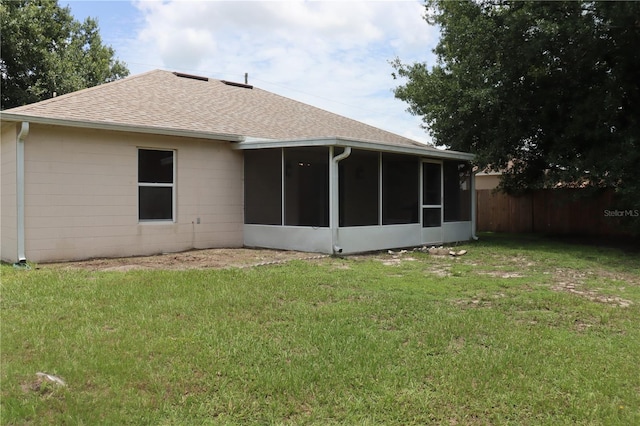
x,y
331,54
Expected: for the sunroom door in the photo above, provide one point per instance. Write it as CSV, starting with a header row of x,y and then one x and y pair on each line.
x,y
431,202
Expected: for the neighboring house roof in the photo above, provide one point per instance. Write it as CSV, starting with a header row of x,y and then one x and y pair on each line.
x,y
163,102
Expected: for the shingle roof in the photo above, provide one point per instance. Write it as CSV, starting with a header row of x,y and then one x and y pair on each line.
x,y
164,100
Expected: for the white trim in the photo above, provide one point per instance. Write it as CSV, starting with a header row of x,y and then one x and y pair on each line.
x,y
243,142
380,191
283,177
425,151
431,234
488,173
172,185
118,127
333,180
422,204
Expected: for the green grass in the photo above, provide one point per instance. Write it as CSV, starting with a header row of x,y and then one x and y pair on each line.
x,y
521,330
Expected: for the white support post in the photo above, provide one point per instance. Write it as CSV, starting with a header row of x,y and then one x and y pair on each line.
x,y
22,135
474,206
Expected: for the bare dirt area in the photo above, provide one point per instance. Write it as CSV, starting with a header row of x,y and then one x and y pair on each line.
x,y
570,281
573,282
193,259
217,259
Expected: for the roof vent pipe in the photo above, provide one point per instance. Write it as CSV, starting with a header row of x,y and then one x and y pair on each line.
x,y
246,78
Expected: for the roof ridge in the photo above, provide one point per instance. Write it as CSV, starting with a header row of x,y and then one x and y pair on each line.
x,y
55,99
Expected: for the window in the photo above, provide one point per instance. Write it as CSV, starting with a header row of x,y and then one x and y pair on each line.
x,y
457,191
263,186
155,184
306,186
400,189
359,189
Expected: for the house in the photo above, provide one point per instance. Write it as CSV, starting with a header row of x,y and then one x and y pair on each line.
x,y
166,162
487,180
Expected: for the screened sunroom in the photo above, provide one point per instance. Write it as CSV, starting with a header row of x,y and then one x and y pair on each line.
x,y
343,196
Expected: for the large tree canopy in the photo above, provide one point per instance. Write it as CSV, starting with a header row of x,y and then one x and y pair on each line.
x,y
45,51
548,91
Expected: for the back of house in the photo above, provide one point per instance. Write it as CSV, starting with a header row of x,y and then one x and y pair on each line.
x,y
166,162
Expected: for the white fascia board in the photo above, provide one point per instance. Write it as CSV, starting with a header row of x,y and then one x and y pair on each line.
x,y
353,143
488,173
256,143
165,131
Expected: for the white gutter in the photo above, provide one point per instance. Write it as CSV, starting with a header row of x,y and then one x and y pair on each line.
x,y
430,152
334,175
24,132
134,128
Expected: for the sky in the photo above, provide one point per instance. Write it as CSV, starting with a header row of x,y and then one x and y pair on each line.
x,y
330,54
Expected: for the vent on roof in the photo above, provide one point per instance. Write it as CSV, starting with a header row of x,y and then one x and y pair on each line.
x,y
193,77
233,83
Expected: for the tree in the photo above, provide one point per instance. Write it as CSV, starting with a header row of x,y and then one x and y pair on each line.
x,y
546,91
44,52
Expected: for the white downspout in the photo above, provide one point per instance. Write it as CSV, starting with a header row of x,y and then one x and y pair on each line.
x,y
24,132
335,220
345,154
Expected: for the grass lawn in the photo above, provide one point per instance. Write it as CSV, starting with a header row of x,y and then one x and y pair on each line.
x,y
520,330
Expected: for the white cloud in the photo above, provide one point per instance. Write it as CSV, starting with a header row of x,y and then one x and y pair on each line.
x,y
331,54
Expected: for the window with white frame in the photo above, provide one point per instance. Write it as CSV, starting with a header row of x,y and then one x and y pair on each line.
x,y
156,185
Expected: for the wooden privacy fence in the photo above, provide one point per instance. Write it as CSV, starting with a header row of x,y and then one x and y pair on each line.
x,y
552,211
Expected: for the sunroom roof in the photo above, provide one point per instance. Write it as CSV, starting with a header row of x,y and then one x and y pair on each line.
x,y
252,143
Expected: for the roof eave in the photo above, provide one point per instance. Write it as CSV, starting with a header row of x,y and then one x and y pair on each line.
x,y
353,143
118,127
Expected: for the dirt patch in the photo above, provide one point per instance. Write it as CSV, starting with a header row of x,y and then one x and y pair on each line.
x,y
193,259
591,295
44,384
37,385
572,281
444,271
501,274
224,258
396,260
